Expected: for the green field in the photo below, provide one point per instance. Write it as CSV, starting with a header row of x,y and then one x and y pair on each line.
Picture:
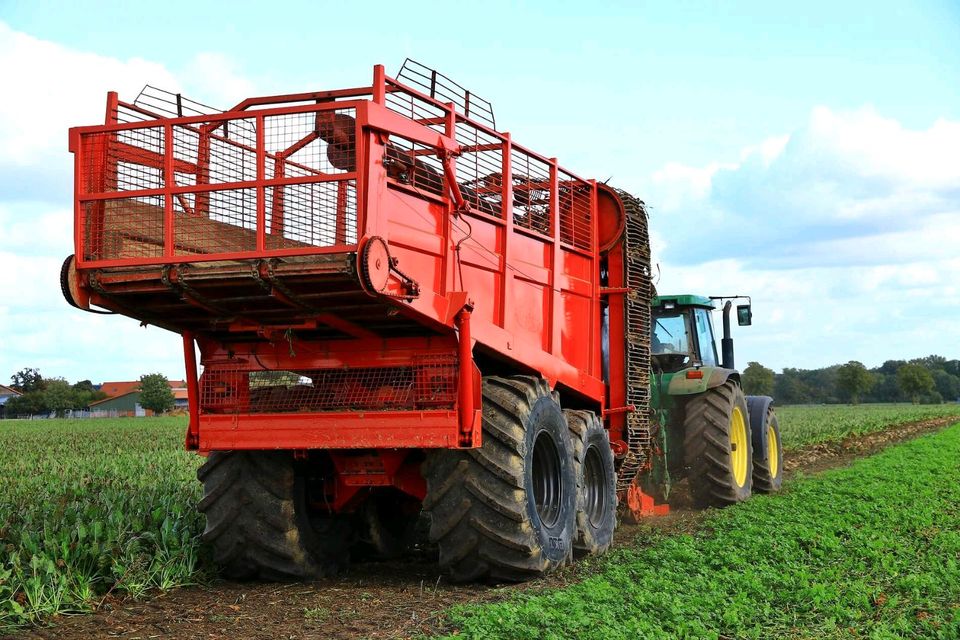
x,y
809,424
93,506
869,551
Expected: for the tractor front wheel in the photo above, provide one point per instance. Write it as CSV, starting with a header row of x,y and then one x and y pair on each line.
x,y
259,523
768,471
506,511
717,447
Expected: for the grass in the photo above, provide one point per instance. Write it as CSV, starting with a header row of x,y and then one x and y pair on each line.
x,y
810,424
869,551
90,507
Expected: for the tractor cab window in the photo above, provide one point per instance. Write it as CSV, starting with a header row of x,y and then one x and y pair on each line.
x,y
671,333
671,340
708,348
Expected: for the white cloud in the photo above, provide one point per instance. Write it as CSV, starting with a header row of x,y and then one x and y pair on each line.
x,y
56,87
846,233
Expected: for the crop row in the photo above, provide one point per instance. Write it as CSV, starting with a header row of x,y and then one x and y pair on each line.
x,y
872,550
96,506
809,424
91,506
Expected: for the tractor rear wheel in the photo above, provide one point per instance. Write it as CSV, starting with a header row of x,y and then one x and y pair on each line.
x,y
717,447
768,471
258,521
596,483
507,510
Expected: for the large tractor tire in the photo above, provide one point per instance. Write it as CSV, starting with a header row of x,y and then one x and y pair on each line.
x,y
717,448
507,510
258,522
596,483
768,470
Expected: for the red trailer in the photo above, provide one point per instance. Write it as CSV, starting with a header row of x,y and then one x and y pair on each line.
x,y
396,307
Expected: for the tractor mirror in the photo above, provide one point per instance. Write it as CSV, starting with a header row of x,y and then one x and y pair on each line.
x,y
744,315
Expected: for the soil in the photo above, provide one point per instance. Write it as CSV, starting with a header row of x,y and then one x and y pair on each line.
x,y
386,599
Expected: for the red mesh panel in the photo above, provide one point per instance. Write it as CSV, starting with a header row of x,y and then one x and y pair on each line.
x,y
531,193
574,197
124,228
212,188
429,383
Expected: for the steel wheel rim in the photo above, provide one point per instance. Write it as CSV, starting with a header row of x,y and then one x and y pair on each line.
x,y
774,450
595,495
547,481
738,446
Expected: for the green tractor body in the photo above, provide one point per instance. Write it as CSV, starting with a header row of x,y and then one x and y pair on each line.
x,y
725,443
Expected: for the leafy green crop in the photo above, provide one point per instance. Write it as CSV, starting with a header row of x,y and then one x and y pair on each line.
x,y
90,506
872,550
809,424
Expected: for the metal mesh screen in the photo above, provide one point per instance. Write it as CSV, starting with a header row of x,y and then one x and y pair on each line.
x,y
442,88
428,383
575,197
531,193
213,186
479,169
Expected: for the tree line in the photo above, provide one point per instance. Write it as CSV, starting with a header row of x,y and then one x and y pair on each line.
x,y
930,380
57,396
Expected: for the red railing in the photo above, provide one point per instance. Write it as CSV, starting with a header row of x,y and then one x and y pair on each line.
x,y
261,180
274,182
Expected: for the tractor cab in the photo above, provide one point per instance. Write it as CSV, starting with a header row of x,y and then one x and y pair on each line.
x,y
682,334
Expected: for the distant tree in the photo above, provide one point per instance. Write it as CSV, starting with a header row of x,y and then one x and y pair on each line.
x,y
884,388
790,388
853,380
952,367
27,380
931,362
29,404
914,380
890,367
59,396
85,394
948,386
155,393
757,380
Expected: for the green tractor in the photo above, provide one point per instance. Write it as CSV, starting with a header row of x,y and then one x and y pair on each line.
x,y
726,443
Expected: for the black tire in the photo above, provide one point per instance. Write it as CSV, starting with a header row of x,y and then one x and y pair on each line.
x,y
482,503
389,527
258,524
768,470
719,474
596,483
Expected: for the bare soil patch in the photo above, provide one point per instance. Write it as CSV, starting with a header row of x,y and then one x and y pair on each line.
x,y
385,600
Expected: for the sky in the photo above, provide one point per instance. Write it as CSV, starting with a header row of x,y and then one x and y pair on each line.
x,y
805,154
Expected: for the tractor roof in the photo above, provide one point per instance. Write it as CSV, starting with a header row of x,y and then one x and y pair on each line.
x,y
684,300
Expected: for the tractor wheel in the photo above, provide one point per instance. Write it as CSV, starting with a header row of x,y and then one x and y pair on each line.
x,y
507,510
258,523
768,472
596,483
718,452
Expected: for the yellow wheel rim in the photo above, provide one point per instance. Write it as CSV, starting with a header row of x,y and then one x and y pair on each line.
x,y
774,451
738,446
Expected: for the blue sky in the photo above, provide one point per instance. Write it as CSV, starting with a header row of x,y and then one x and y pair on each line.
x,y
807,155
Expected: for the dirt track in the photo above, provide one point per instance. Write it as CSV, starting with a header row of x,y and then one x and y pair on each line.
x,y
378,600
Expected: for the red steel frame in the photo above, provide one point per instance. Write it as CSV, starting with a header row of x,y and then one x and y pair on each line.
x,y
528,298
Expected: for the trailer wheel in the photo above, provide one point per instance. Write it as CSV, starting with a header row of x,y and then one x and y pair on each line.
x,y
506,511
596,483
258,523
718,451
768,472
